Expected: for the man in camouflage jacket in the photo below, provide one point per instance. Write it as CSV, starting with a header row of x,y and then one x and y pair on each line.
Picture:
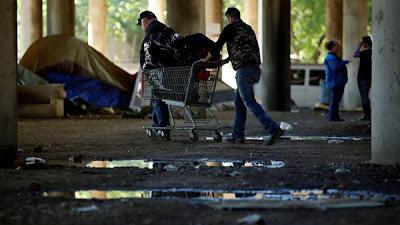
x,y
244,55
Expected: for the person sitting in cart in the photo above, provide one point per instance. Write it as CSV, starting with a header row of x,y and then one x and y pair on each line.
x,y
160,48
244,55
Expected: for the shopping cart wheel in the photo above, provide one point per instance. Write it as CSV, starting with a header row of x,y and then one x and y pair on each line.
x,y
151,134
217,136
193,135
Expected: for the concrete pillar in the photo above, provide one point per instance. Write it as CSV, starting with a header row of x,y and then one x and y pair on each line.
x,y
159,7
97,32
334,20
386,82
186,16
275,52
31,22
8,83
355,22
250,14
214,18
60,17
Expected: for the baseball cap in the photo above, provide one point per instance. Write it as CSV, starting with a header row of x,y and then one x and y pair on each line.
x,y
145,14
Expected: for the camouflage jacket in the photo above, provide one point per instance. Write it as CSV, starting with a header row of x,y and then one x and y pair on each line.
x,y
242,45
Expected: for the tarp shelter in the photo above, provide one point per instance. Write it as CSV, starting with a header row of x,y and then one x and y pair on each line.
x,y
86,72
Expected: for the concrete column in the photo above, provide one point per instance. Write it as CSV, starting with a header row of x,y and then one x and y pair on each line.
x,y
334,20
275,50
214,18
386,82
31,22
60,17
250,14
355,22
97,34
186,16
8,83
159,7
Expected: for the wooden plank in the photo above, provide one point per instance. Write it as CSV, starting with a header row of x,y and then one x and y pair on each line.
x,y
40,94
53,110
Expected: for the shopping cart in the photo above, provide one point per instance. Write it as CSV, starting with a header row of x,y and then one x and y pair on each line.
x,y
186,87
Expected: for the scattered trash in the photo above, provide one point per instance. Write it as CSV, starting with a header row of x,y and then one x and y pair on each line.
x,y
335,141
295,111
35,163
276,164
286,126
90,208
251,219
341,171
234,174
170,168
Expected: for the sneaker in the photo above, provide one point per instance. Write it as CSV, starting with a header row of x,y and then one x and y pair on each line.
x,y
234,140
275,136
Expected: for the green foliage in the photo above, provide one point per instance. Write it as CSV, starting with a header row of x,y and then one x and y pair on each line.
x,y
121,18
308,26
81,19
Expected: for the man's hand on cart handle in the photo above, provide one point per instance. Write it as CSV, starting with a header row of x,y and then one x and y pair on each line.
x,y
207,58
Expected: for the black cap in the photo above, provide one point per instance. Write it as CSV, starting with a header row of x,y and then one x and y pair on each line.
x,y
145,14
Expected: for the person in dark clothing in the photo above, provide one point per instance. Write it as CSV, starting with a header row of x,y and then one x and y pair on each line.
x,y
161,47
364,52
335,78
244,55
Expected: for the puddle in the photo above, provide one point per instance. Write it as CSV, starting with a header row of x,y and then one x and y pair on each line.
x,y
281,198
304,138
169,165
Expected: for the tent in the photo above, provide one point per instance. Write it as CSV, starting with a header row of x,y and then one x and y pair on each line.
x,y
86,73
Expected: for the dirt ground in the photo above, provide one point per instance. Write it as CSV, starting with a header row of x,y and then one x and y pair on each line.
x,y
309,164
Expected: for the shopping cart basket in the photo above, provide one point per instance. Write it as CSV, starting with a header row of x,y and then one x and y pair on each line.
x,y
186,87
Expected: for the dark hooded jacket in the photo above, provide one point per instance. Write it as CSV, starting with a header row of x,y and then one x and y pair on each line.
x,y
162,47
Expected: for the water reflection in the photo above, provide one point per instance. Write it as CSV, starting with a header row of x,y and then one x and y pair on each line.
x,y
169,165
304,138
203,194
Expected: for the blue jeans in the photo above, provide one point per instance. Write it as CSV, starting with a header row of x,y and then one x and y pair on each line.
x,y
364,87
244,99
337,94
160,113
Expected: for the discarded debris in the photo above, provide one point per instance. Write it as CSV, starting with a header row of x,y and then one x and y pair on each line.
x,y
90,208
276,164
341,171
286,126
335,141
234,174
170,168
35,163
251,219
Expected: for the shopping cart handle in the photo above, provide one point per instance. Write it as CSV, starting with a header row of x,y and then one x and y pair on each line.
x,y
211,64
